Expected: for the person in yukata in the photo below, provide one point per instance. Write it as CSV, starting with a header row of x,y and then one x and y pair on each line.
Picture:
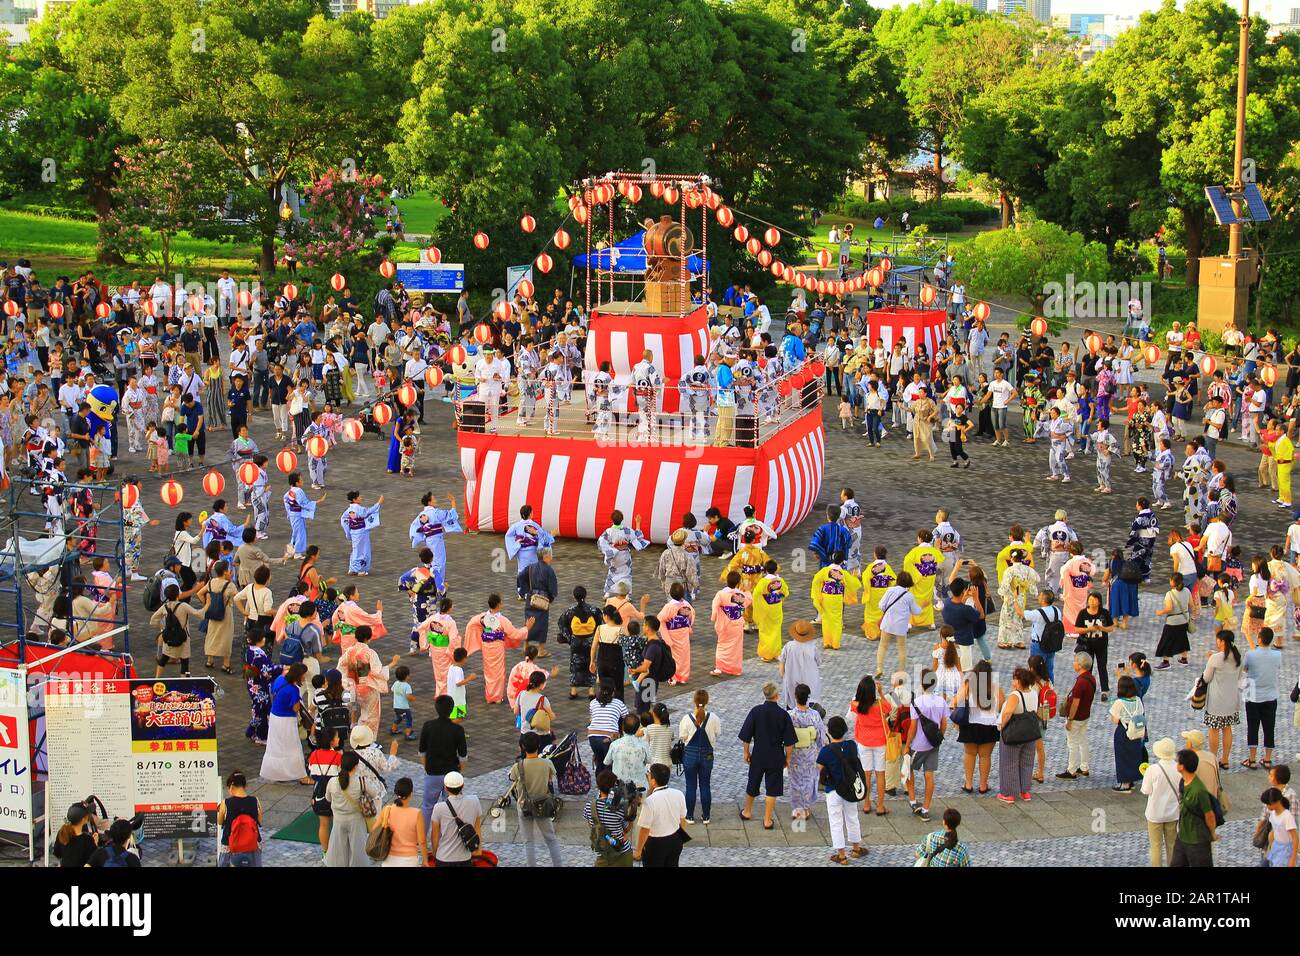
x,y
440,637
728,617
259,496
299,509
617,543
851,518
491,632
219,527
801,662
349,617
770,592
242,449
676,621
832,588
316,466
357,522
431,524
1141,542
524,537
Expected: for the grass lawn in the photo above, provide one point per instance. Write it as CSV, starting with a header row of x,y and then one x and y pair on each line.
x,y
421,213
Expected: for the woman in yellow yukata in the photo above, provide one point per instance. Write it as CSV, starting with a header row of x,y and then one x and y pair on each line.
x,y
832,588
769,611
749,560
877,578
922,563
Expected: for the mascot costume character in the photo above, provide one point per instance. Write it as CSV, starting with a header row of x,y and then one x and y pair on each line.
x,y
102,400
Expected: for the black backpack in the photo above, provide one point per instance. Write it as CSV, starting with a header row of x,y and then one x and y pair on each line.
x,y
1053,632
173,634
152,597
851,787
667,665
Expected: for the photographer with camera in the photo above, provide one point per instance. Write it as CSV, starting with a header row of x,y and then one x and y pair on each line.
x,y
605,813
662,821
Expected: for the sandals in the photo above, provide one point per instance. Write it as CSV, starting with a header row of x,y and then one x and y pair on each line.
x,y
882,813
968,790
1266,764
840,858
1223,765
1248,764
858,852
226,670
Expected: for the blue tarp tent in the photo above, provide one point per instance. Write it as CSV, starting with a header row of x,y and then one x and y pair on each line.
x,y
629,257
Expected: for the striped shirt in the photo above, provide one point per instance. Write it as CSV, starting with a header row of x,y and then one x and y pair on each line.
x,y
611,818
606,717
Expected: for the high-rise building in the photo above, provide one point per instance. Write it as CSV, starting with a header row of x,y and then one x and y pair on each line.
x,y
980,5
376,8
1040,10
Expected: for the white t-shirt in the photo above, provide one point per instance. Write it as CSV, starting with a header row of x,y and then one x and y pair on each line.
x,y
1181,554
456,674
1293,538
1217,539
662,812
1001,391
1160,786
1215,420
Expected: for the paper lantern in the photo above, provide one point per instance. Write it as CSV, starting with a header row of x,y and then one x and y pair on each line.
x,y
581,214
286,461
817,368
247,473
525,288
1151,353
1093,341
724,217
824,258
338,282
711,199
433,255
821,286
875,278
633,193
573,202
787,273
764,257
982,311
740,234
502,312
318,447
754,245
1208,365
783,387
11,308
886,263
543,263
130,495
290,291
1268,375
527,223
214,483
671,195
56,309
456,355
693,198
656,189
195,302
772,237
480,241
1038,327
387,269
433,376
102,310
353,430
561,239
171,492
483,331
776,268
382,414
245,299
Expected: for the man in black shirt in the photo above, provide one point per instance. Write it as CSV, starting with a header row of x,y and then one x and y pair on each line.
x,y
443,747
649,670
768,737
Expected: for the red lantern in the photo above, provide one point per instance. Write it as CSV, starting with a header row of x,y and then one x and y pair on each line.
x,y
353,430
694,199
561,239
886,264
382,414
433,254
245,298
483,331
581,214
982,311
754,245
171,492
480,241
788,273
1268,375
1151,353
527,223
338,282
772,237
318,447
56,308
195,303
1093,341
456,355
724,217
824,258
387,269
247,473
11,308
633,193
656,189
822,287
502,311
711,199
573,202
543,263
130,495
214,483
286,461
740,234
817,368
764,257
1038,327
671,195
290,291
525,288
783,387
875,278
776,268
1208,365
102,310
433,376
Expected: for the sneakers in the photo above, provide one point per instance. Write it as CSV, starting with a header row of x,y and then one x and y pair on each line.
x,y
924,814
916,807
1162,666
1065,480
1066,775
1026,797
1002,799
1082,772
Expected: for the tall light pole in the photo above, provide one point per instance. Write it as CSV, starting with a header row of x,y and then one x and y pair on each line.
x,y
1236,232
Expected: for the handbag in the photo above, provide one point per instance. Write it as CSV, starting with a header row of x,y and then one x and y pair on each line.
x,y
1022,728
365,803
1262,830
1199,693
536,601
380,842
893,740
546,807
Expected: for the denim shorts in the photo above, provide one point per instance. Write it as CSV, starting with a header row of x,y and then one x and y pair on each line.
x,y
999,418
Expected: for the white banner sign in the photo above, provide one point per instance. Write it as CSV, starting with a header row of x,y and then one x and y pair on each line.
x,y
15,755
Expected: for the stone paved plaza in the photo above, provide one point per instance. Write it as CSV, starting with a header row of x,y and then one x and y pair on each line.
x,y
1070,822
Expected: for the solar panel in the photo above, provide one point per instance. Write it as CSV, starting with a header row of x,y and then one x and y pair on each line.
x,y
1222,206
1256,210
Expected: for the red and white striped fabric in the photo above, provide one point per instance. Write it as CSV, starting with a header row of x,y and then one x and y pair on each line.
x,y
674,341
573,484
917,326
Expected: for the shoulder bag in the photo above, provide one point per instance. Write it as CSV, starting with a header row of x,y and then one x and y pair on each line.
x,y
1023,727
469,837
893,740
380,841
536,600
545,807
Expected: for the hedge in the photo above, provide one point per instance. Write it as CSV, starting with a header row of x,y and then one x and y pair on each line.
x,y
949,215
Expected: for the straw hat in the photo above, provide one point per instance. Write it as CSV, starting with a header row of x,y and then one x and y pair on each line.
x,y
361,737
1164,749
801,631
1194,739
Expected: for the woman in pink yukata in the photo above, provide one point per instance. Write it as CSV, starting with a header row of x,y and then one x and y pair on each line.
x,y
1076,582
729,622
